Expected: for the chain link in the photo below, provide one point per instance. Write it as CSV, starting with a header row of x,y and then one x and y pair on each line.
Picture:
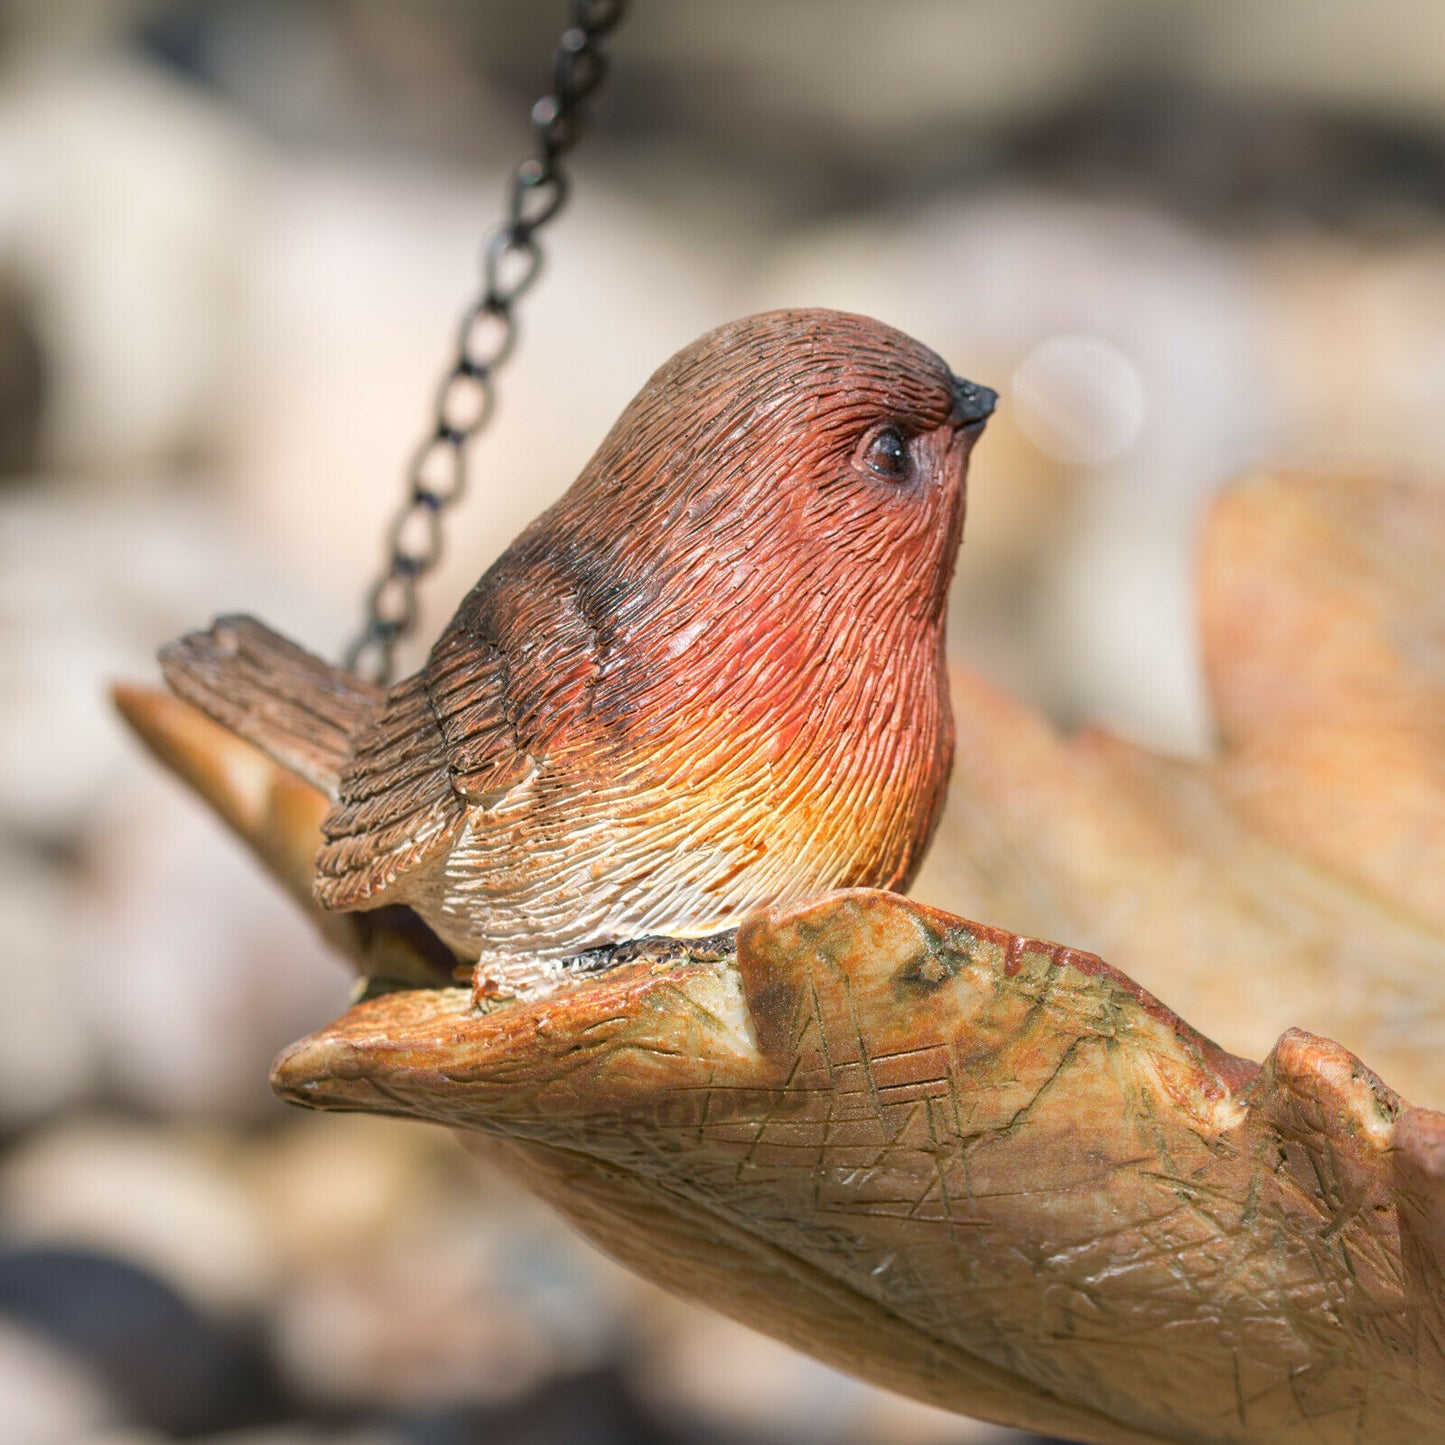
x,y
511,263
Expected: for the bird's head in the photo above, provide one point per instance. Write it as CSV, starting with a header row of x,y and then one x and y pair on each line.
x,y
801,454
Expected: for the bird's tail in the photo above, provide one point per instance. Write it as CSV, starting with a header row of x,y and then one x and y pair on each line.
x,y
297,708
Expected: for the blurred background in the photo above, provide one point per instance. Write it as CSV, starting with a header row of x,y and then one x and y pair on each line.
x,y
235,236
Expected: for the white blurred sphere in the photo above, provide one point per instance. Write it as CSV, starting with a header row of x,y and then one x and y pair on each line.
x,y
1079,399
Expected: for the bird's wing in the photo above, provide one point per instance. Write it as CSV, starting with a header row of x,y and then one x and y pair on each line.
x,y
510,675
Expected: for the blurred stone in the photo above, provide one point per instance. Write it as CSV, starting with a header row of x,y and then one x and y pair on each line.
x,y
362,77
584,1407
23,373
388,1338
298,1433
150,1197
124,1435
48,1056
162,885
128,238
167,1365
454,1303
87,586
401,1286
89,582
332,1193
37,30
1317,49
50,1396
691,1362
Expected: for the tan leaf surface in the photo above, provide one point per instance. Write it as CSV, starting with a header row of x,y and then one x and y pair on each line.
x,y
988,1171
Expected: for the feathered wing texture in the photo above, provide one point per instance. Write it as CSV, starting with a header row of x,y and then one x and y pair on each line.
x,y
509,676
395,806
471,686
297,708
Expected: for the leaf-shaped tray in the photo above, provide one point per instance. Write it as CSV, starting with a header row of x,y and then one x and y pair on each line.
x,y
989,1171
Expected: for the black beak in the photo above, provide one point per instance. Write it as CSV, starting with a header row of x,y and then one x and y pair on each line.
x,y
972,404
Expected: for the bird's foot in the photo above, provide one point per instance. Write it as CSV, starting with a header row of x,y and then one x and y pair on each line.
x,y
490,990
655,949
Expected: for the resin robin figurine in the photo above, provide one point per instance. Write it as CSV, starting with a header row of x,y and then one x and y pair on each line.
x,y
709,678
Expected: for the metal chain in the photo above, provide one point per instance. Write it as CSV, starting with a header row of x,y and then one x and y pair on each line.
x,y
511,262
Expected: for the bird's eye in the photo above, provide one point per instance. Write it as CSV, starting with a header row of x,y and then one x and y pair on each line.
x,y
885,454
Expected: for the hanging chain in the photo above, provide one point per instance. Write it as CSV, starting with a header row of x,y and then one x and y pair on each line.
x,y
511,262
